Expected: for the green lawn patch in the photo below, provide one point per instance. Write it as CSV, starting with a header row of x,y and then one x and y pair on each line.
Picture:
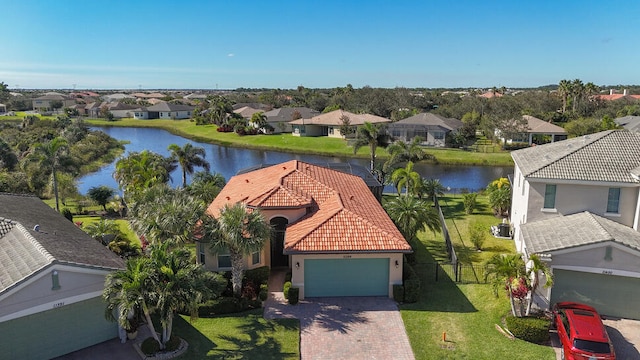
x,y
240,336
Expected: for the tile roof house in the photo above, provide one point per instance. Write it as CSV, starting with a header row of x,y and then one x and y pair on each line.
x,y
329,124
537,131
43,103
576,203
164,110
279,118
247,112
430,127
51,280
613,96
329,229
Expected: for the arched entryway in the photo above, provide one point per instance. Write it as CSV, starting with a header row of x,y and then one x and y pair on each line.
x,y
279,225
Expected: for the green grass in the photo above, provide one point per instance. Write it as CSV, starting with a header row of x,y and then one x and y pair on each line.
x,y
241,336
466,312
308,145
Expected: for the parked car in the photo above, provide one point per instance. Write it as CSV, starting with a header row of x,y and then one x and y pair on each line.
x,y
581,332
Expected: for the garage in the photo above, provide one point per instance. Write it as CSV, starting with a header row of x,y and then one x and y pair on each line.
x,y
346,277
610,294
56,332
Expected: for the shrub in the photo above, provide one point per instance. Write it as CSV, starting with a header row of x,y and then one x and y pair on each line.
x,y
286,288
411,290
408,272
264,292
477,234
249,290
531,329
469,201
258,276
253,304
68,214
173,343
294,294
150,346
398,293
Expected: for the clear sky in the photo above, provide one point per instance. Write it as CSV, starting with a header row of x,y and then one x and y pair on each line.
x,y
226,44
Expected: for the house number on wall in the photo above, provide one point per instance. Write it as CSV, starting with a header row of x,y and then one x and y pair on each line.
x,y
346,257
57,305
607,272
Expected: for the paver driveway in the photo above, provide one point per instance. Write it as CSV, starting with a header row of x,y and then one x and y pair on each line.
x,y
346,328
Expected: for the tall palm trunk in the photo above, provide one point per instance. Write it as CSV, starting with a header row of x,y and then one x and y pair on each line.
x,y
55,187
237,266
147,316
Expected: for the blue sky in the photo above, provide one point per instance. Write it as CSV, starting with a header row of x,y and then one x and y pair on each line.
x,y
100,44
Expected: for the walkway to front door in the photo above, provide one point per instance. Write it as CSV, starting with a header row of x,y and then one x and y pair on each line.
x,y
342,328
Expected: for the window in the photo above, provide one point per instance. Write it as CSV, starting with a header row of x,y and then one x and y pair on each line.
x,y
550,196
439,135
201,252
255,258
613,202
330,131
224,258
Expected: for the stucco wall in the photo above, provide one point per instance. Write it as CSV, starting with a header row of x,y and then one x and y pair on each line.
x,y
519,205
395,273
621,258
39,292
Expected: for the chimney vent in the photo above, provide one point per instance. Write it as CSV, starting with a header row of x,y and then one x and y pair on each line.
x,y
625,92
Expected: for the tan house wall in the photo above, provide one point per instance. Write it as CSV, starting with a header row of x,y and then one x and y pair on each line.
x,y
73,283
622,258
395,273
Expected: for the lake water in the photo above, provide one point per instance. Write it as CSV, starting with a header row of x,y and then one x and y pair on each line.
x,y
229,160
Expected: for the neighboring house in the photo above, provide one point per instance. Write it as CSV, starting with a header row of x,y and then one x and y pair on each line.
x,y
613,96
263,107
538,131
576,203
116,97
3,108
631,123
43,103
195,96
247,112
328,228
329,124
146,96
164,110
279,118
51,281
430,127
92,110
121,110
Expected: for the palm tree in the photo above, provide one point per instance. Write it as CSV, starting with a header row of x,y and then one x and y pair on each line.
x,y
162,214
535,267
142,170
431,188
401,151
130,290
368,135
406,177
206,186
188,157
239,231
49,155
564,89
99,229
412,215
502,270
577,91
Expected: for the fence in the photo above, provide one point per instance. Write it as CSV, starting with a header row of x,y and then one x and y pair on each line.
x,y
459,272
445,233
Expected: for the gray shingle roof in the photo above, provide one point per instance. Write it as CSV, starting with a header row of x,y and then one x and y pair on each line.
x,y
608,156
563,232
165,106
285,114
64,241
430,119
629,122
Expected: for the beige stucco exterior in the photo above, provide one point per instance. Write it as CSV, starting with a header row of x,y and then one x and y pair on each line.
x,y
37,294
395,272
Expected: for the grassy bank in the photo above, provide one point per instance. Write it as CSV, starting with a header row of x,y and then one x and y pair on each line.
x,y
300,145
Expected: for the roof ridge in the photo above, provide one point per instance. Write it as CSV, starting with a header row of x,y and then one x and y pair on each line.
x,y
35,242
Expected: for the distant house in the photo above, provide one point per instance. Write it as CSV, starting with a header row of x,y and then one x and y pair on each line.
x,y
164,110
260,106
329,230
631,123
247,112
51,281
121,110
430,127
147,96
116,97
279,118
44,103
537,131
329,124
612,96
576,204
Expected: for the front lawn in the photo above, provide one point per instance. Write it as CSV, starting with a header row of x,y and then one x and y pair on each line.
x,y
245,335
466,312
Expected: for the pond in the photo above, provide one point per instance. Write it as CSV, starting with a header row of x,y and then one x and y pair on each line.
x,y
229,160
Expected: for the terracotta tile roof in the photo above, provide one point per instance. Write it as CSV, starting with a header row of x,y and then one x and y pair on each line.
x,y
343,215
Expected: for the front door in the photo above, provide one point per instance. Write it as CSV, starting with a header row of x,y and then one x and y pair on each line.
x,y
278,259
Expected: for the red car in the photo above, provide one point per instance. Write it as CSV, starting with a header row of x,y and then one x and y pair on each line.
x,y
581,332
